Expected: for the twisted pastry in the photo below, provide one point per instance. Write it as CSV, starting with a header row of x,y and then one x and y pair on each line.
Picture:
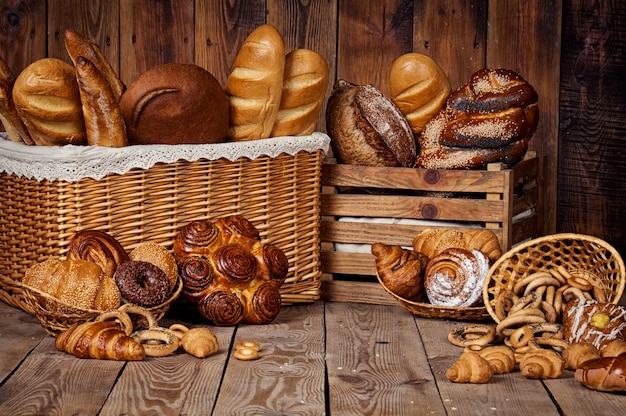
x,y
102,340
98,247
401,270
455,277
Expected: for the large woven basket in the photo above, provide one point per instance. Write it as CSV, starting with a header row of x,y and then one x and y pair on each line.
x,y
279,194
428,310
572,251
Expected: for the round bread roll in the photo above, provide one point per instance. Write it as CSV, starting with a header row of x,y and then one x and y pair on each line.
x,y
175,104
46,97
419,87
367,128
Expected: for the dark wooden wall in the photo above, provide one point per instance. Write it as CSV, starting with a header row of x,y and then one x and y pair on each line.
x,y
540,39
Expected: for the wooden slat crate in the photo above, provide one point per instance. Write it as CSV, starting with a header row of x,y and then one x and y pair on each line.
x,y
361,205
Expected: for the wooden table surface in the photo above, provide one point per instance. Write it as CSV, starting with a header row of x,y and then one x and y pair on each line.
x,y
324,358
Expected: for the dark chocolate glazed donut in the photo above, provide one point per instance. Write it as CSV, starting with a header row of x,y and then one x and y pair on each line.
x,y
142,283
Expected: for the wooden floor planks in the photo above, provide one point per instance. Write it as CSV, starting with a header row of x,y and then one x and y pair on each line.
x,y
325,358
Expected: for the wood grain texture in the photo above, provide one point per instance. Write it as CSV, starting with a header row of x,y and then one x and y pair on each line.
x,y
22,32
592,135
453,33
155,32
376,364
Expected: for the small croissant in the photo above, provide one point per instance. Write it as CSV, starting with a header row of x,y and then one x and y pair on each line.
x,y
102,340
614,348
401,270
483,240
501,358
200,342
540,364
470,367
579,352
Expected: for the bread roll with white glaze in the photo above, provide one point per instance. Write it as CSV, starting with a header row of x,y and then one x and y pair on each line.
x,y
255,84
304,88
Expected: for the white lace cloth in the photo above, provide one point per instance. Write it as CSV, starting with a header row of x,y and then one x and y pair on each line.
x,y
72,163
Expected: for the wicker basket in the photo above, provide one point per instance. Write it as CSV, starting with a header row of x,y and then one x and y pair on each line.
x,y
572,251
427,310
56,316
279,194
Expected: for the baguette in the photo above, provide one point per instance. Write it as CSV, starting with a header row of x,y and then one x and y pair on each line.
x,y
255,84
304,88
9,117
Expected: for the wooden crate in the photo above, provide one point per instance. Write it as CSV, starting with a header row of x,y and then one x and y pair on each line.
x,y
361,205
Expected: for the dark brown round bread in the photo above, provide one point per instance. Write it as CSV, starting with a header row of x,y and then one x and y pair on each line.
x,y
175,104
367,128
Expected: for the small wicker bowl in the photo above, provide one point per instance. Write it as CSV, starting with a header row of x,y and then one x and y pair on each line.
x,y
56,316
428,310
572,251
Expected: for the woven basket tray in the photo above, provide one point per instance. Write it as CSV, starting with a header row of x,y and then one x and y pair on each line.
x,y
427,310
572,251
279,194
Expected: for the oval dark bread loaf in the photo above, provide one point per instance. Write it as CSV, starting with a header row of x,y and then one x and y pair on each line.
x,y
367,128
175,104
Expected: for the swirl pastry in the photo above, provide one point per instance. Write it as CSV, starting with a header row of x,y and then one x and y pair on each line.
x,y
228,272
98,247
455,277
401,270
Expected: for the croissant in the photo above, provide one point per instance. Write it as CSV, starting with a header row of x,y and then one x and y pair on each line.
x,y
433,241
484,240
579,352
541,364
102,340
604,374
401,270
455,277
501,358
200,342
470,367
98,247
614,348
228,273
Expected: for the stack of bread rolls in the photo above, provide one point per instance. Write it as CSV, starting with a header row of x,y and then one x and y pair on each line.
x,y
267,94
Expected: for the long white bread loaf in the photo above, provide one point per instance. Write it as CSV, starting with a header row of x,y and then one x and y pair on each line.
x,y
254,86
304,89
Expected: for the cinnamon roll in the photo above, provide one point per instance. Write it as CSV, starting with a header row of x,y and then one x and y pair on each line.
x,y
98,247
455,277
264,306
222,307
197,237
197,275
273,260
236,265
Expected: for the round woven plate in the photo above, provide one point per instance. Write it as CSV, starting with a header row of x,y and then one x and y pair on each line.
x,y
56,316
572,251
427,310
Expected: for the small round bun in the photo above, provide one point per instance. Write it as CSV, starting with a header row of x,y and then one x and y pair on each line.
x,y
175,104
158,255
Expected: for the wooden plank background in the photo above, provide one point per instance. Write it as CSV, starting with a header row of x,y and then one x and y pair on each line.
x,y
581,124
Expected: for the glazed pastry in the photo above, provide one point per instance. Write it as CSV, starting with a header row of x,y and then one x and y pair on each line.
x,y
592,321
579,352
101,340
455,277
228,272
470,367
98,247
603,374
10,119
78,283
367,128
540,364
142,283
401,270
159,256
